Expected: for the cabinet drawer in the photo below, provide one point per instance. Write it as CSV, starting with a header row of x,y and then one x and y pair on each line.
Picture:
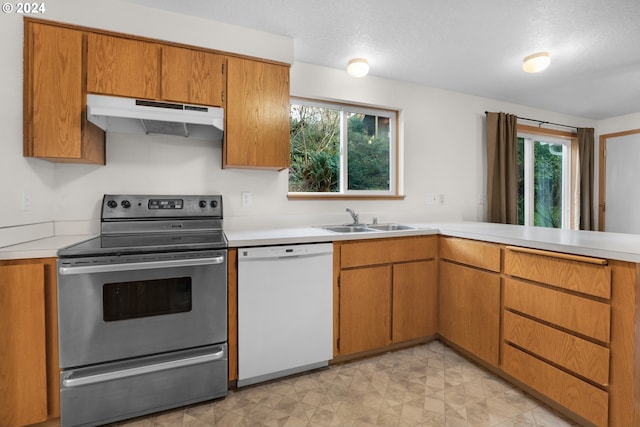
x,y
385,251
581,274
580,356
576,395
470,252
581,315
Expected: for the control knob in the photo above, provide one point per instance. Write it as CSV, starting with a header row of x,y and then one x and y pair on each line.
x,y
125,204
203,203
112,204
214,203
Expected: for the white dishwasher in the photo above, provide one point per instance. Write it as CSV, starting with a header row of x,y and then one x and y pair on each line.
x,y
285,310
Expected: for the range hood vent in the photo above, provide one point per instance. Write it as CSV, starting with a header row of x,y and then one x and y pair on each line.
x,y
129,115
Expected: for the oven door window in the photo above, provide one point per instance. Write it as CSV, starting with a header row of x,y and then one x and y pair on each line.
x,y
146,298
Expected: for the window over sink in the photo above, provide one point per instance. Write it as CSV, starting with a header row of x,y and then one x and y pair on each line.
x,y
341,150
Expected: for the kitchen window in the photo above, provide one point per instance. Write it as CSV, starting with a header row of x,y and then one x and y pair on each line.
x,y
340,150
547,179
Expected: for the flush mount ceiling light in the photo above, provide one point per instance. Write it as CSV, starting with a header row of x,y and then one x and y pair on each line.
x,y
358,67
536,62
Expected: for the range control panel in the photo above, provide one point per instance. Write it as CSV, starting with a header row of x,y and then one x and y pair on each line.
x,y
136,206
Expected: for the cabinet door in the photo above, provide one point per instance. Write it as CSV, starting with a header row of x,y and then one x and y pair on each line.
x,y
55,124
23,384
192,76
365,309
122,67
415,299
470,309
257,115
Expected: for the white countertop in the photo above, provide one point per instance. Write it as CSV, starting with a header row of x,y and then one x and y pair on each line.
x,y
41,248
285,236
617,246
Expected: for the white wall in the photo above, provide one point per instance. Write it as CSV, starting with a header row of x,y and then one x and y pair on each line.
x,y
56,190
605,127
619,124
442,139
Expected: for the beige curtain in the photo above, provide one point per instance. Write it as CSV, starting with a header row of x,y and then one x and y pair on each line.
x,y
586,154
502,175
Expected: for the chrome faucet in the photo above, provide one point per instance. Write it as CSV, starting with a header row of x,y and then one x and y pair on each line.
x,y
354,215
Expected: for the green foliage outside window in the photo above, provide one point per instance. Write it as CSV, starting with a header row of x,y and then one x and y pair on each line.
x,y
315,150
547,186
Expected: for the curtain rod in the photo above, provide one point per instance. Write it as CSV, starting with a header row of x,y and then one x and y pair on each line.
x,y
542,122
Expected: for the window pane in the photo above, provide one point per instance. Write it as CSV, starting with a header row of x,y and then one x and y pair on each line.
x,y
548,184
315,149
520,172
368,147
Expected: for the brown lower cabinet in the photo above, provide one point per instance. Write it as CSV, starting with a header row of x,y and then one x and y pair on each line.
x,y
29,371
566,328
469,296
469,308
385,293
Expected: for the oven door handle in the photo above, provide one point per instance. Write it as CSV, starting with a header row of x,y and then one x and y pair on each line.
x,y
108,268
140,370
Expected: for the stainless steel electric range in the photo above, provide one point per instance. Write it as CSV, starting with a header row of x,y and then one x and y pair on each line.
x,y
142,310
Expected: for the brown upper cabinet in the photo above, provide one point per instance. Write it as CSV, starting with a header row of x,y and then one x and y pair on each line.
x,y
192,76
122,67
63,63
55,123
257,115
138,69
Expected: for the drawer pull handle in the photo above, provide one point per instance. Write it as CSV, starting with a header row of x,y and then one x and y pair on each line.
x,y
559,255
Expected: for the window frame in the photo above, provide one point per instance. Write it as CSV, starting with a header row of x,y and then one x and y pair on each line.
x,y
570,174
394,164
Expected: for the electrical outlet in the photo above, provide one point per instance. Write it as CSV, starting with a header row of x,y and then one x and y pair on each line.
x,y
441,199
431,199
482,199
245,196
26,201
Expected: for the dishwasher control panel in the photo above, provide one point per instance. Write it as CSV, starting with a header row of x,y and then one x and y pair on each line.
x,y
282,251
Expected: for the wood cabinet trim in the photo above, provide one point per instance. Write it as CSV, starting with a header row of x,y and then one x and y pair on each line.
x,y
232,304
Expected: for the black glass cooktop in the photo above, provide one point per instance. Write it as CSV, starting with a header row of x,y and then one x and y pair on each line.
x,y
147,243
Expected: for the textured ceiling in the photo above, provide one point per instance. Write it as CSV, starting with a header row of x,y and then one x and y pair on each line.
x,y
470,46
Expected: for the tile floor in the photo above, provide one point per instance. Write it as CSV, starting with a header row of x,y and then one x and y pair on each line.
x,y
426,385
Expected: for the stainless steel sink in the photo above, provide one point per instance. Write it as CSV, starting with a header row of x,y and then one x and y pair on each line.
x,y
347,228
350,228
390,227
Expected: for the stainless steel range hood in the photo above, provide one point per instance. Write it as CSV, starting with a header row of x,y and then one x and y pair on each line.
x,y
128,115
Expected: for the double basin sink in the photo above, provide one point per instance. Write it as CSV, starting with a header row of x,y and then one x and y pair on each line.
x,y
363,228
